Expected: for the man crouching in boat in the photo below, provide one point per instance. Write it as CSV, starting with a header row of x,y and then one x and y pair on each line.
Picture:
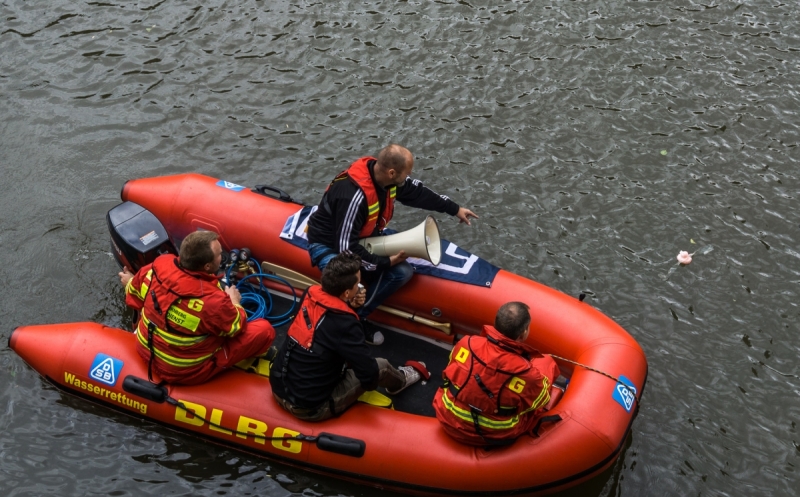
x,y
325,365
191,329
495,386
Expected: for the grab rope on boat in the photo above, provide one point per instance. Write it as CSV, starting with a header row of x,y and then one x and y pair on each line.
x,y
629,388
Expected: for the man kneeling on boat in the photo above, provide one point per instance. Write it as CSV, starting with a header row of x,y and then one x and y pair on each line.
x,y
325,364
191,329
495,385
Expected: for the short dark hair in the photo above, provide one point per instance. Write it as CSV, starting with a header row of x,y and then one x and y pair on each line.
x,y
196,250
512,319
341,273
394,157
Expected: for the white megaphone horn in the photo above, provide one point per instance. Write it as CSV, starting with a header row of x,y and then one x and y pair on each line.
x,y
421,241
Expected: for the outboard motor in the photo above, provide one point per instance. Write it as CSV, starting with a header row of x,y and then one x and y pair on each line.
x,y
137,236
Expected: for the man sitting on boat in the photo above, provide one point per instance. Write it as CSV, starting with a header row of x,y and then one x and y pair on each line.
x,y
191,329
495,385
361,207
325,365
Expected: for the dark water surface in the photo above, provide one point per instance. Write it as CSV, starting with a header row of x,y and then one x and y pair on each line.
x,y
596,139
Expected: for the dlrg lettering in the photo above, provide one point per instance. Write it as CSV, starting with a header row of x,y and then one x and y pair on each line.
x,y
195,415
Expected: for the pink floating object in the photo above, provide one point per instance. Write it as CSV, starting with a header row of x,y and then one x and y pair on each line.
x,y
684,257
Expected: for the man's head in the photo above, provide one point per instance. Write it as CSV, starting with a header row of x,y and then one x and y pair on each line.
x,y
342,275
201,251
394,166
513,320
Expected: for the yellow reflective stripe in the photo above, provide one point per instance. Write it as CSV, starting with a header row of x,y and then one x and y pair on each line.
x,y
483,421
173,339
237,323
172,360
129,288
183,319
543,398
140,292
393,192
373,209
544,395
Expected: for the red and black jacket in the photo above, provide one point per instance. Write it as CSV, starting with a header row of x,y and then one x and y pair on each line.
x,y
325,337
347,210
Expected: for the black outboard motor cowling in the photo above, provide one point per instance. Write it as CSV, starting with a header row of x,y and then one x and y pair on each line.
x,y
137,236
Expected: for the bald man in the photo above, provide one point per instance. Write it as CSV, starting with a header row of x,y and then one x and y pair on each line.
x,y
359,203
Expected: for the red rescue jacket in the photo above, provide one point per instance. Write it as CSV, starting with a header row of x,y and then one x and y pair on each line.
x,y
358,173
189,313
494,389
312,309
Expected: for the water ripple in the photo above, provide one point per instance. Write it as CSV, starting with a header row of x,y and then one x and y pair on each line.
x,y
595,139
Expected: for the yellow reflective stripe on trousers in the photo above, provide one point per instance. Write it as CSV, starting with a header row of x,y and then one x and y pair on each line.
x,y
173,339
172,360
483,421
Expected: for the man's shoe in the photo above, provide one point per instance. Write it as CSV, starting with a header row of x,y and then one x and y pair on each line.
x,y
270,354
412,375
372,335
374,338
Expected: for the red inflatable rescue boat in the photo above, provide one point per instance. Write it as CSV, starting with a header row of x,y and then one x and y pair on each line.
x,y
401,448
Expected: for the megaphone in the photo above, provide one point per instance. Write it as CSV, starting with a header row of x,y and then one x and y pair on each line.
x,y
421,241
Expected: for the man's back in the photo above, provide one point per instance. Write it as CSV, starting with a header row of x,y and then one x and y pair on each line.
x,y
494,388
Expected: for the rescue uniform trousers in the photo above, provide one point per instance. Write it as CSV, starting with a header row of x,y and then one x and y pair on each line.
x,y
253,340
346,393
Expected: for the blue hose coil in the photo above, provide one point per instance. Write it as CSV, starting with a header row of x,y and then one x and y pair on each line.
x,y
256,305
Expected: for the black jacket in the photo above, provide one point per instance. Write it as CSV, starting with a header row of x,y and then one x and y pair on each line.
x,y
331,225
312,375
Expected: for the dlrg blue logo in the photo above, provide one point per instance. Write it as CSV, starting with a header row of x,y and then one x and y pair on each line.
x,y
624,393
230,186
105,369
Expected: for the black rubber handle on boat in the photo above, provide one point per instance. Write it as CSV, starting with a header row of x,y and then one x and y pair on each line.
x,y
145,389
546,419
282,195
347,446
